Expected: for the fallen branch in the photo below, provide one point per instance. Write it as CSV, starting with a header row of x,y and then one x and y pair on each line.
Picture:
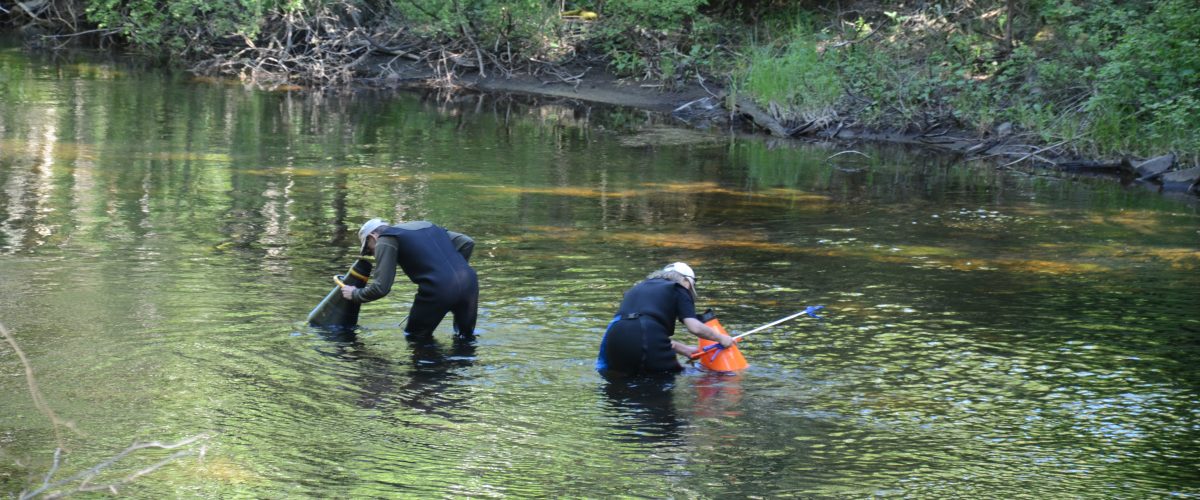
x,y
81,33
87,475
34,393
760,117
563,76
1036,153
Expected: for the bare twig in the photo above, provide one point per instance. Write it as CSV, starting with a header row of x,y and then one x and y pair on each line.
x,y
72,35
466,31
86,475
857,40
700,80
34,393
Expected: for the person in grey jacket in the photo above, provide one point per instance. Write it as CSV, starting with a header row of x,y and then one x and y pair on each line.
x,y
436,260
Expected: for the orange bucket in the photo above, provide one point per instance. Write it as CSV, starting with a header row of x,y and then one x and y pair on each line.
x,y
725,360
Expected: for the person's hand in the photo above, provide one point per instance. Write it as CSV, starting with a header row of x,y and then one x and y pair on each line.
x,y
348,292
725,340
684,349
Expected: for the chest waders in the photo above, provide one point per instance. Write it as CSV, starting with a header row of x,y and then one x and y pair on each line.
x,y
626,361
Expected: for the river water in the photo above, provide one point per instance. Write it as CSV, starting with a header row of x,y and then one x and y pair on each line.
x,y
986,332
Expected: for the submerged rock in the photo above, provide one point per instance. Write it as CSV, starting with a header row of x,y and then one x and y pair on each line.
x,y
667,136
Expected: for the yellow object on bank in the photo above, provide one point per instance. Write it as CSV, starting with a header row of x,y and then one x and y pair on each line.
x,y
584,14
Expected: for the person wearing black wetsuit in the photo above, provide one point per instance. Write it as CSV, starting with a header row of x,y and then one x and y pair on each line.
x,y
436,260
638,339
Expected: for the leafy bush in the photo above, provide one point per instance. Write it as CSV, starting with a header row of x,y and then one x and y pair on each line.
x,y
1148,91
1110,75
524,27
180,27
653,38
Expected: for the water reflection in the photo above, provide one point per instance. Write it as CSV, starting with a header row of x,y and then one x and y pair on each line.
x,y
643,408
718,395
429,385
432,386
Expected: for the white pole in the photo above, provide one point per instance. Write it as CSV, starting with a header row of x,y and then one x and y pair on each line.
x,y
776,322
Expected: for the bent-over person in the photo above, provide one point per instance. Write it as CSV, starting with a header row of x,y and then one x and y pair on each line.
x,y
433,258
638,340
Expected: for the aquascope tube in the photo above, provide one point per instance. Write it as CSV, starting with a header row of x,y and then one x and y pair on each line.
x,y
335,311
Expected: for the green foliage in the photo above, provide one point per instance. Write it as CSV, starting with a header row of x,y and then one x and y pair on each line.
x,y
521,21
655,15
892,90
1147,91
179,27
794,76
1111,75
664,39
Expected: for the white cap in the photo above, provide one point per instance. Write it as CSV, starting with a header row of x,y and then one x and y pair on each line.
x,y
367,228
687,272
683,269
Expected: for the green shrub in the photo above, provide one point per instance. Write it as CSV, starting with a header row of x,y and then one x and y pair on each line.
x,y
654,38
1148,90
180,27
527,26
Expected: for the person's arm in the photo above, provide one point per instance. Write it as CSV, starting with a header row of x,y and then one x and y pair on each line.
x,y
706,332
687,315
384,275
463,243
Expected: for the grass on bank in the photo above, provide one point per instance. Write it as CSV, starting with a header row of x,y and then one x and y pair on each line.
x,y
792,80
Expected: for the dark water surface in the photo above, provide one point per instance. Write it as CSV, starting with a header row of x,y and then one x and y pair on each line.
x,y
988,333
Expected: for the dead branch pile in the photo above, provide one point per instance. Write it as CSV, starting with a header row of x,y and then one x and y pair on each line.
x,y
321,47
55,20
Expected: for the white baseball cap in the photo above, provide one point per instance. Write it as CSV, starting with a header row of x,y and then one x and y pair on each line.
x,y
367,228
683,269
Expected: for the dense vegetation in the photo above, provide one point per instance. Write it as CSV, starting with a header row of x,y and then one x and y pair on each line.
x,y
1103,77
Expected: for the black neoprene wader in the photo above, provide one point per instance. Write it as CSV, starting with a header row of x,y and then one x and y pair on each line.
x,y
638,340
436,261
